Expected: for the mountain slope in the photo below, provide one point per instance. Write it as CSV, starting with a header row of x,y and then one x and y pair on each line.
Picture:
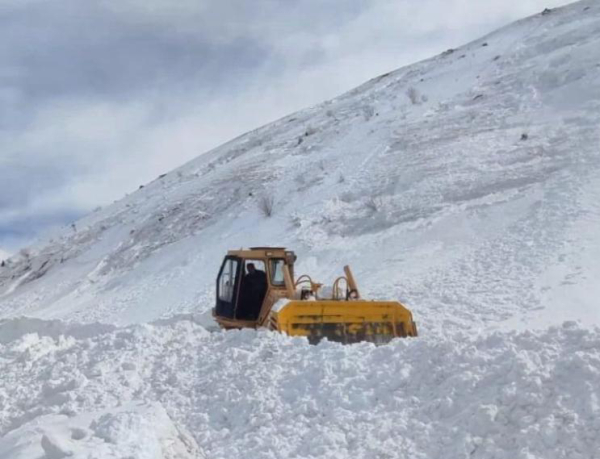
x,y
467,185
464,185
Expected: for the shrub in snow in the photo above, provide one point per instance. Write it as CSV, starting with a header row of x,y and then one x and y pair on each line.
x,y
309,131
295,220
374,203
265,204
413,95
368,112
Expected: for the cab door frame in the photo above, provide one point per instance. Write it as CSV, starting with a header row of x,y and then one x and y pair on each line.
x,y
224,308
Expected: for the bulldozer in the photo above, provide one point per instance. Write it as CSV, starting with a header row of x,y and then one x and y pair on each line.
x,y
256,288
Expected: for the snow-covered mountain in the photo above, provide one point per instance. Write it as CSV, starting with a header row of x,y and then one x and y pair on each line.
x,y
467,186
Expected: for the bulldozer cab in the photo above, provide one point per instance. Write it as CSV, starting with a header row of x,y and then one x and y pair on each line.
x,y
249,282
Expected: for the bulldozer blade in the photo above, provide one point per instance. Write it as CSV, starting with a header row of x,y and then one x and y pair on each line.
x,y
344,321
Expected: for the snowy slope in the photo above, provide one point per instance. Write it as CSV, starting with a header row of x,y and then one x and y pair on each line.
x,y
464,185
467,186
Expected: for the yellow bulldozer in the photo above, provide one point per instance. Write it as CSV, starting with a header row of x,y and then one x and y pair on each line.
x,y
256,288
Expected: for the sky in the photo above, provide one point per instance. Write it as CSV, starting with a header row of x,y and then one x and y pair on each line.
x,y
99,97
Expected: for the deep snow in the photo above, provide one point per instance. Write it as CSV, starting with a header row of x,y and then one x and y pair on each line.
x,y
261,395
466,186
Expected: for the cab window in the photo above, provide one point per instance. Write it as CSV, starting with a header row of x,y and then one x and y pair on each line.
x,y
277,272
227,281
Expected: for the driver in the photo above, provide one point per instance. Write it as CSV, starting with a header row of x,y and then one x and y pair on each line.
x,y
256,278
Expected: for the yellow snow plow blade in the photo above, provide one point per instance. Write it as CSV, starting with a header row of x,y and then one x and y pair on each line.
x,y
344,321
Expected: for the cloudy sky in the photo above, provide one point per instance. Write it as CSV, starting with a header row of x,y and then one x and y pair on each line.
x,y
100,96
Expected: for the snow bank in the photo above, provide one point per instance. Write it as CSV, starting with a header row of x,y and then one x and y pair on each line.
x,y
12,329
142,431
263,395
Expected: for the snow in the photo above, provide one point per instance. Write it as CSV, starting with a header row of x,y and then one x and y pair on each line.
x,y
128,392
465,186
434,200
130,431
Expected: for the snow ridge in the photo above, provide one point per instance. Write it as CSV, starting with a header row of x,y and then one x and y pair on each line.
x,y
248,394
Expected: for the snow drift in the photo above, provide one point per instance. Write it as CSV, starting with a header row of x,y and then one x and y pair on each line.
x,y
247,394
138,430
